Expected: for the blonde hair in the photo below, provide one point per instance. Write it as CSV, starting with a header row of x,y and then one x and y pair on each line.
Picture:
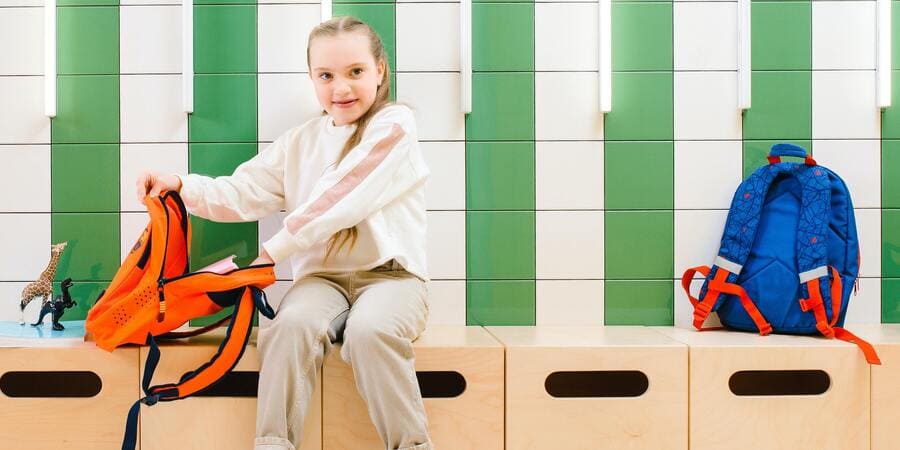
x,y
332,28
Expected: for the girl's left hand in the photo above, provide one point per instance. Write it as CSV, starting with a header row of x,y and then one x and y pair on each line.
x,y
263,258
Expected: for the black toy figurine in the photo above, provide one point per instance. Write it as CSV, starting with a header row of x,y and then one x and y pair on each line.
x,y
57,306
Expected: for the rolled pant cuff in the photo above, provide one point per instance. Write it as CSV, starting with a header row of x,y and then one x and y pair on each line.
x,y
273,443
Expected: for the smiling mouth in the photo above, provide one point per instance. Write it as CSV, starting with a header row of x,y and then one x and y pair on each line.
x,y
344,104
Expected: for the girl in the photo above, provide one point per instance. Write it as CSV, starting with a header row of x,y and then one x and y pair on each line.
x,y
353,184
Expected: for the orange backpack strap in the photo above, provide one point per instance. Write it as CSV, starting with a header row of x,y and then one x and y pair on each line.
x,y
716,287
828,328
227,356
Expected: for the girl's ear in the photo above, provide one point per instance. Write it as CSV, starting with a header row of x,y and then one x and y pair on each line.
x,y
380,71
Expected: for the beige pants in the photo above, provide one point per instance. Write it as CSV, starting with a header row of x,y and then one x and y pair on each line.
x,y
379,313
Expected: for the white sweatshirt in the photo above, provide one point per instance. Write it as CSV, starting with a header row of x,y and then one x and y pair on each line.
x,y
378,186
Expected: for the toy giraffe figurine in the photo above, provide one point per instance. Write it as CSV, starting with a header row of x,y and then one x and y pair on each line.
x,y
43,287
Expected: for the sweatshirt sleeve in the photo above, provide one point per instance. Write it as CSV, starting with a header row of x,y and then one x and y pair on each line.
x,y
254,190
374,173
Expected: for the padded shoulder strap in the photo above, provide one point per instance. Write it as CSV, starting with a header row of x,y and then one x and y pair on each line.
x,y
746,208
229,353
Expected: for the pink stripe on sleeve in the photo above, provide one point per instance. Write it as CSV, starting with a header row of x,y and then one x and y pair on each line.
x,y
350,181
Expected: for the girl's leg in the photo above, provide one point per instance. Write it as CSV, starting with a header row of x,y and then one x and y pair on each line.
x,y
291,348
390,311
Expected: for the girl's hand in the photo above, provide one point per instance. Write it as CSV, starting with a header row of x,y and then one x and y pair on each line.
x,y
263,258
153,183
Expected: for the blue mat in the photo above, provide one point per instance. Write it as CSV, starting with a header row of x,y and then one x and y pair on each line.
x,y
11,329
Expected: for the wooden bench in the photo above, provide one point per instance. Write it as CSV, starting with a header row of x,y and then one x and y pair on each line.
x,y
594,387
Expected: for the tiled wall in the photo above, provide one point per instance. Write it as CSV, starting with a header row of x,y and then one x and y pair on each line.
x,y
541,209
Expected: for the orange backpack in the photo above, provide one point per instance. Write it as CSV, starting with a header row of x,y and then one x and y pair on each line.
x,y
153,293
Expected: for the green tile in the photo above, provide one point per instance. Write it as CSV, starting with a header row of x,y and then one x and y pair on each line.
x,y
225,39
890,116
890,236
336,2
502,107
219,159
71,190
87,40
94,245
755,153
224,109
639,245
500,302
642,107
500,244
500,175
87,109
653,189
647,303
895,34
225,2
213,241
890,174
782,106
84,293
380,17
393,95
498,49
502,1
890,300
87,3
782,36
642,36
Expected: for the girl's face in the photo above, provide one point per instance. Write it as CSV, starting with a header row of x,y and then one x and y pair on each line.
x,y
345,74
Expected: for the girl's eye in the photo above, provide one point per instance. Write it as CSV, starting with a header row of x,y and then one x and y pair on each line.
x,y
357,71
325,75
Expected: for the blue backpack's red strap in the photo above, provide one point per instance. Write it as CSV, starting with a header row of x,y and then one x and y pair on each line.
x,y
716,287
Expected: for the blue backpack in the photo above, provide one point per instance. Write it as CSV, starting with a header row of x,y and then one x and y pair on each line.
x,y
789,256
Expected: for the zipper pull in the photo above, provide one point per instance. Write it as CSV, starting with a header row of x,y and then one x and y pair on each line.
x,y
856,287
162,301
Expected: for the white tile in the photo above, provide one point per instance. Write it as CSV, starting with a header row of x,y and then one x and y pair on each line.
x,y
151,109
27,188
684,311
150,3
434,98
138,158
446,188
285,101
283,34
9,309
843,35
868,230
567,107
131,225
274,295
569,175
569,244
706,106
427,1
416,25
698,235
22,119
858,163
268,227
705,35
843,105
22,41
446,248
150,39
569,302
25,240
566,36
707,173
446,302
864,307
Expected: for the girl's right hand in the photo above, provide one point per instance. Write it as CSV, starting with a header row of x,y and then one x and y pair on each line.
x,y
153,183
